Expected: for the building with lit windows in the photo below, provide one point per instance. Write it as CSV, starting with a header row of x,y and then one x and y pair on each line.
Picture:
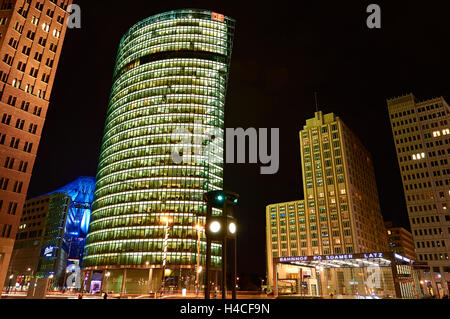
x,y
400,240
171,75
340,214
52,233
421,132
31,39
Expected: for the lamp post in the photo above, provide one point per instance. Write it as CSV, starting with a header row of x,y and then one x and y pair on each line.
x,y
197,269
9,283
107,274
51,282
65,277
166,238
32,275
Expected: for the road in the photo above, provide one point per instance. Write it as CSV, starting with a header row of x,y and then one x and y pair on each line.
x,y
58,295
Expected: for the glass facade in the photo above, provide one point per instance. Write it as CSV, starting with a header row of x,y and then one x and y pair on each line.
x,y
170,76
52,258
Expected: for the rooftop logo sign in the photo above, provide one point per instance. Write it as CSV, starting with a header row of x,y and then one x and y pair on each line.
x,y
217,17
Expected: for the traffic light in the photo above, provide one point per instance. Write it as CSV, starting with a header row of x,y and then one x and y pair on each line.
x,y
221,227
218,199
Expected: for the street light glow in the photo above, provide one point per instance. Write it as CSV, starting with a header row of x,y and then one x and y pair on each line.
x,y
214,227
232,228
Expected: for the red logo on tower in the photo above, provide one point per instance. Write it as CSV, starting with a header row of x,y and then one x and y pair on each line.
x,y
217,17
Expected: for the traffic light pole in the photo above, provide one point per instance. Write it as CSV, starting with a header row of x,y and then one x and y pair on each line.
x,y
224,254
208,262
217,228
233,271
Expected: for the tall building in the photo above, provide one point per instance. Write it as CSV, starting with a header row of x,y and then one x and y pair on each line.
x,y
28,246
421,133
52,233
400,240
31,39
170,76
341,212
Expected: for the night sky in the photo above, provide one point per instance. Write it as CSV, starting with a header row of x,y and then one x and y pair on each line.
x,y
282,54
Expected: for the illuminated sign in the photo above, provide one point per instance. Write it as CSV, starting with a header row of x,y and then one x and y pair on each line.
x,y
399,257
330,257
373,255
290,259
337,257
217,17
48,251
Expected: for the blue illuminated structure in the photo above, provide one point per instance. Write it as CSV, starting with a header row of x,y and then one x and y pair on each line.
x,y
67,225
81,193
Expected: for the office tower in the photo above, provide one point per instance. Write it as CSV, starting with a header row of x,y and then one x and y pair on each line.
x,y
421,133
340,188
31,39
400,240
341,212
52,233
170,76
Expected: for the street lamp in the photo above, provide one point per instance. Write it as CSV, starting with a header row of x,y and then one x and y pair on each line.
x,y
107,274
31,279
166,238
198,268
51,282
9,283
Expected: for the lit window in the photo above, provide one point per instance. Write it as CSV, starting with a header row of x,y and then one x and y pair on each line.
x,y
446,131
45,27
436,133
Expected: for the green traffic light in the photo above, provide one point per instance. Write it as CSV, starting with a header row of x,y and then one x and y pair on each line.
x,y
220,198
236,200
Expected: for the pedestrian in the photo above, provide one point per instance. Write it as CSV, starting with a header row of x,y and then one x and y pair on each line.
x,y
80,296
105,295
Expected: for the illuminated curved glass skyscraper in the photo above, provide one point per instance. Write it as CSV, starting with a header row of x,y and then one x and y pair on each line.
x,y
170,76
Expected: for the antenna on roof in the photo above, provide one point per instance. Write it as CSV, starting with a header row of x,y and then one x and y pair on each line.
x,y
315,98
